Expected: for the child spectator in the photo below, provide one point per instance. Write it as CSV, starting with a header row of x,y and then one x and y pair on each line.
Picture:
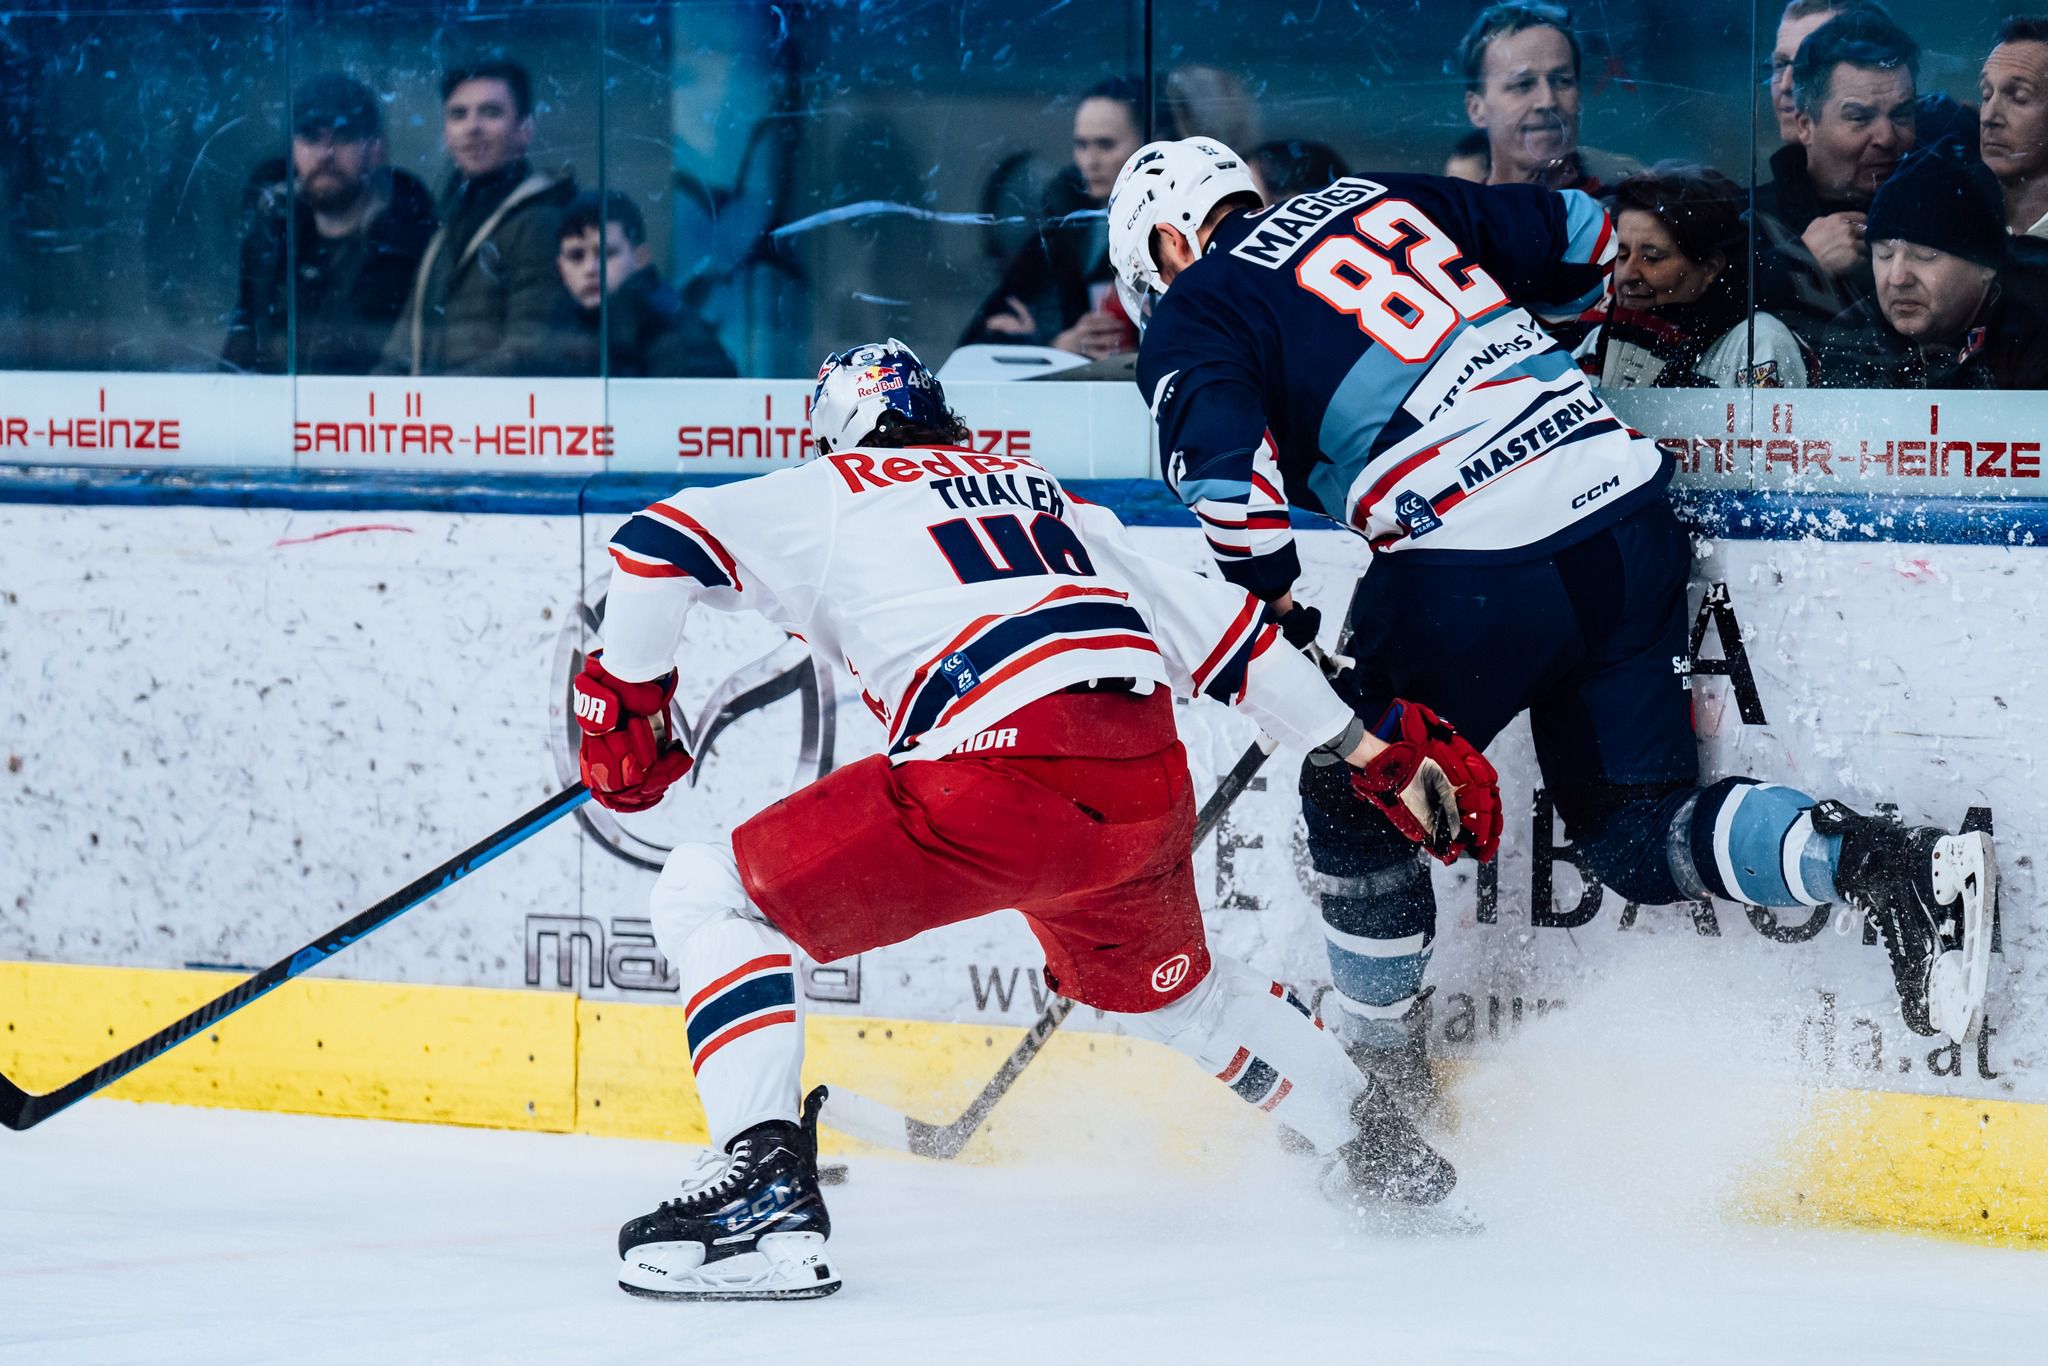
x,y
612,291
1060,290
1681,292
486,289
337,237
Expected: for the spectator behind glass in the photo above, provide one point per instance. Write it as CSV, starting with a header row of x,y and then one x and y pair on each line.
x,y
1060,290
611,289
1950,311
1680,316
484,295
1290,167
356,228
2013,121
1852,85
1471,159
1521,67
1936,116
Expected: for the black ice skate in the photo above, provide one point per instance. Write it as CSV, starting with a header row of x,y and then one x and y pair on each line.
x,y
1931,895
750,1226
1387,1174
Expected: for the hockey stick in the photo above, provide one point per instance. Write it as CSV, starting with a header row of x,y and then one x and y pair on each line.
x,y
21,1110
873,1122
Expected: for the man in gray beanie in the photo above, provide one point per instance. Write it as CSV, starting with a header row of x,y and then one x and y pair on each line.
x,y
1952,311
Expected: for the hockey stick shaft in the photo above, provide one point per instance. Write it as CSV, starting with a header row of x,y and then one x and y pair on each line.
x,y
20,1109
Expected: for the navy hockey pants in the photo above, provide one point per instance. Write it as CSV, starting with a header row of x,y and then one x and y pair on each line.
x,y
1590,641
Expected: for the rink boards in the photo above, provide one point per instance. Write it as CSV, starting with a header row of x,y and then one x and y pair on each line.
x,y
232,726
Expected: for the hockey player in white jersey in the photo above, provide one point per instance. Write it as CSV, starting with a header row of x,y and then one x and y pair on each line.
x,y
1022,656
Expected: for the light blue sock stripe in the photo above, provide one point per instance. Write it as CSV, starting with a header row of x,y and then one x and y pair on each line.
x,y
1377,981
1756,844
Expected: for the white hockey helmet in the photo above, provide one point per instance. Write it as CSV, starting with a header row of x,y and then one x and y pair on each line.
x,y
1174,184
859,388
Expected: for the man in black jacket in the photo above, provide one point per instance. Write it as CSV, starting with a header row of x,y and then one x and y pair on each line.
x,y
612,290
338,237
1951,311
1856,116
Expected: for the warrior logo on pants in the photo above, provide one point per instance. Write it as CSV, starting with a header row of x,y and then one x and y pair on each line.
x,y
1171,973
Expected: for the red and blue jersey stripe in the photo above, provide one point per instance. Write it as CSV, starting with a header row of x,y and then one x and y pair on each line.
x,y
996,648
664,542
1224,674
754,995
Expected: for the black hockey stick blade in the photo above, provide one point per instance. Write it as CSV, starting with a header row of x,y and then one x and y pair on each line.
x,y
21,1110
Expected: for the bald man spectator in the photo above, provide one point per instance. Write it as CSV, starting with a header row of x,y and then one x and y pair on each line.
x,y
333,242
1950,310
2013,121
1521,67
487,289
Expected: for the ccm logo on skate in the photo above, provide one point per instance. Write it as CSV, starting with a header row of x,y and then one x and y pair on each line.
x,y
990,739
591,709
1171,973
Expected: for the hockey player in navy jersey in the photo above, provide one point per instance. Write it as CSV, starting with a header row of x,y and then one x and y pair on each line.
x,y
1022,655
1374,351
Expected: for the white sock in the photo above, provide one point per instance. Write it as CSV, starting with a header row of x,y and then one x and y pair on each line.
x,y
742,1012
1241,1026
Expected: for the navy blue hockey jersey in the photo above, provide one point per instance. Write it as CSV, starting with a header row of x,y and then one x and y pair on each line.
x,y
1367,351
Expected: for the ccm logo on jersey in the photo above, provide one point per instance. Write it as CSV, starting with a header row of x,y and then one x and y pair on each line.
x,y
1282,229
1597,492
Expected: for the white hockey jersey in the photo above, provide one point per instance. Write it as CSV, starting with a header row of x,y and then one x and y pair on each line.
x,y
957,587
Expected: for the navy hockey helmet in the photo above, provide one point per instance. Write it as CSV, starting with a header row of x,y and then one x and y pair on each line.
x,y
865,391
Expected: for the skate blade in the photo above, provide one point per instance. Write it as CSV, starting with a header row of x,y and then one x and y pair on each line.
x,y
784,1266
1965,872
816,1292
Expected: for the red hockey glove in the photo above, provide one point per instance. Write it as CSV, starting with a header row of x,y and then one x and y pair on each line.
x,y
1430,782
624,762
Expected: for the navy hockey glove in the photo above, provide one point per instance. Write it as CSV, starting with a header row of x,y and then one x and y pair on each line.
x,y
1435,788
623,759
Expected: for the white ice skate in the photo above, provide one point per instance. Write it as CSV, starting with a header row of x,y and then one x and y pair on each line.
x,y
1966,877
1931,895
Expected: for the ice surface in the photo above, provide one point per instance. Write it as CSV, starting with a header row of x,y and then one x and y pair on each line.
x,y
163,1235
